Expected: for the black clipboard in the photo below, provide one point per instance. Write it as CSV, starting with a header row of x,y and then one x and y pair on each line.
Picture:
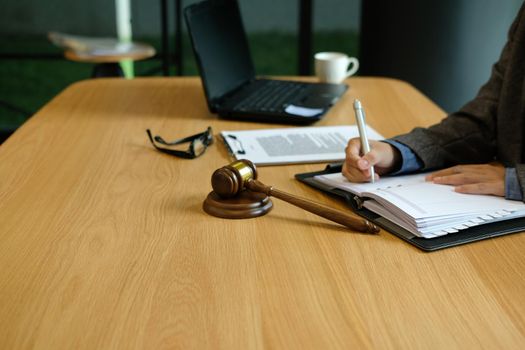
x,y
472,234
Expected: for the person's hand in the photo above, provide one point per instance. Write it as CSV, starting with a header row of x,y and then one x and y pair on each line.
x,y
473,179
382,156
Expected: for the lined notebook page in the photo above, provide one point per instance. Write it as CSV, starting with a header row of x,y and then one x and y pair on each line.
x,y
337,180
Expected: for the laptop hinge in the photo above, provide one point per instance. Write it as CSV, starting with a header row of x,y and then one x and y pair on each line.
x,y
221,100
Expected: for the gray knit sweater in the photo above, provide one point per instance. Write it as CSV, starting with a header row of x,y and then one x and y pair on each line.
x,y
488,128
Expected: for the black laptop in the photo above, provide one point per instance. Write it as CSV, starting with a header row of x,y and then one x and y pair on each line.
x,y
228,74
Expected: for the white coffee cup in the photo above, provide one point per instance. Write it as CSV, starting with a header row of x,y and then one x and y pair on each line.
x,y
334,67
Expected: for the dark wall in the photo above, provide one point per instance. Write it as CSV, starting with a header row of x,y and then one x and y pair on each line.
x,y
97,17
445,48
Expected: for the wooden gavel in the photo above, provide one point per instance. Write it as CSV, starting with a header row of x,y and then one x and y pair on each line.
x,y
232,179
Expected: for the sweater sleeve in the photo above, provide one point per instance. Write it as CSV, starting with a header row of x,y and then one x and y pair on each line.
x,y
409,161
469,135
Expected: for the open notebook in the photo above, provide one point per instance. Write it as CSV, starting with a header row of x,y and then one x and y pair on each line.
x,y
428,215
423,208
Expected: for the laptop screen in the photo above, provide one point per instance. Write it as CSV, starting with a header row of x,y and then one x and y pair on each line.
x,y
220,46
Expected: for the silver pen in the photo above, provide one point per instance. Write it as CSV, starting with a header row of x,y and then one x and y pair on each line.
x,y
361,125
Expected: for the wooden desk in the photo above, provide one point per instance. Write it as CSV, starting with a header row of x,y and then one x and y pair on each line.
x,y
103,242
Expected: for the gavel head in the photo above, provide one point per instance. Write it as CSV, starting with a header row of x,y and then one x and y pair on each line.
x,y
229,180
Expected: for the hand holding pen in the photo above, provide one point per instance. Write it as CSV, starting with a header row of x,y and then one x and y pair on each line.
x,y
361,125
365,159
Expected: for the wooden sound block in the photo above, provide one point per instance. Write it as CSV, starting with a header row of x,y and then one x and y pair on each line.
x,y
246,204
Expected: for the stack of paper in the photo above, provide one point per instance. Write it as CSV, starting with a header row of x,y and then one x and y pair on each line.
x,y
426,209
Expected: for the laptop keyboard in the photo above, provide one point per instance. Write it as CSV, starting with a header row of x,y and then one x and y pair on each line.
x,y
272,96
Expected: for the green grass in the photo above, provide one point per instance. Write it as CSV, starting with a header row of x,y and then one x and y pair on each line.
x,y
30,83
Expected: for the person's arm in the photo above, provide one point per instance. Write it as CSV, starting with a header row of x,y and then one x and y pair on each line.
x,y
409,160
383,156
387,156
469,135
410,163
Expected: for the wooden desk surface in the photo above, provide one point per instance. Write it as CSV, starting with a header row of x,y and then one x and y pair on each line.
x,y
103,242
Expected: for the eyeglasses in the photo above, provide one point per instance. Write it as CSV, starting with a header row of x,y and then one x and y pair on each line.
x,y
198,144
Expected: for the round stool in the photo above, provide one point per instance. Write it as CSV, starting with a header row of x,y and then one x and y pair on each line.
x,y
107,61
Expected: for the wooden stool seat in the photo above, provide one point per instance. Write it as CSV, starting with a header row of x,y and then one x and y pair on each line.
x,y
105,53
107,60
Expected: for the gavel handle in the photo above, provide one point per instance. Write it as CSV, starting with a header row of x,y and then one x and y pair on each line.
x,y
326,212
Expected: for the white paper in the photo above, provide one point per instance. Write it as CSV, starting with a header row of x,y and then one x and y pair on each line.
x,y
426,209
293,145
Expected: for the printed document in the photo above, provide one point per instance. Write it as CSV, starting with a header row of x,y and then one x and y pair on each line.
x,y
293,145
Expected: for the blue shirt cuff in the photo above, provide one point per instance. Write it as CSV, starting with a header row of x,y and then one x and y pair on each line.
x,y
409,161
512,185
